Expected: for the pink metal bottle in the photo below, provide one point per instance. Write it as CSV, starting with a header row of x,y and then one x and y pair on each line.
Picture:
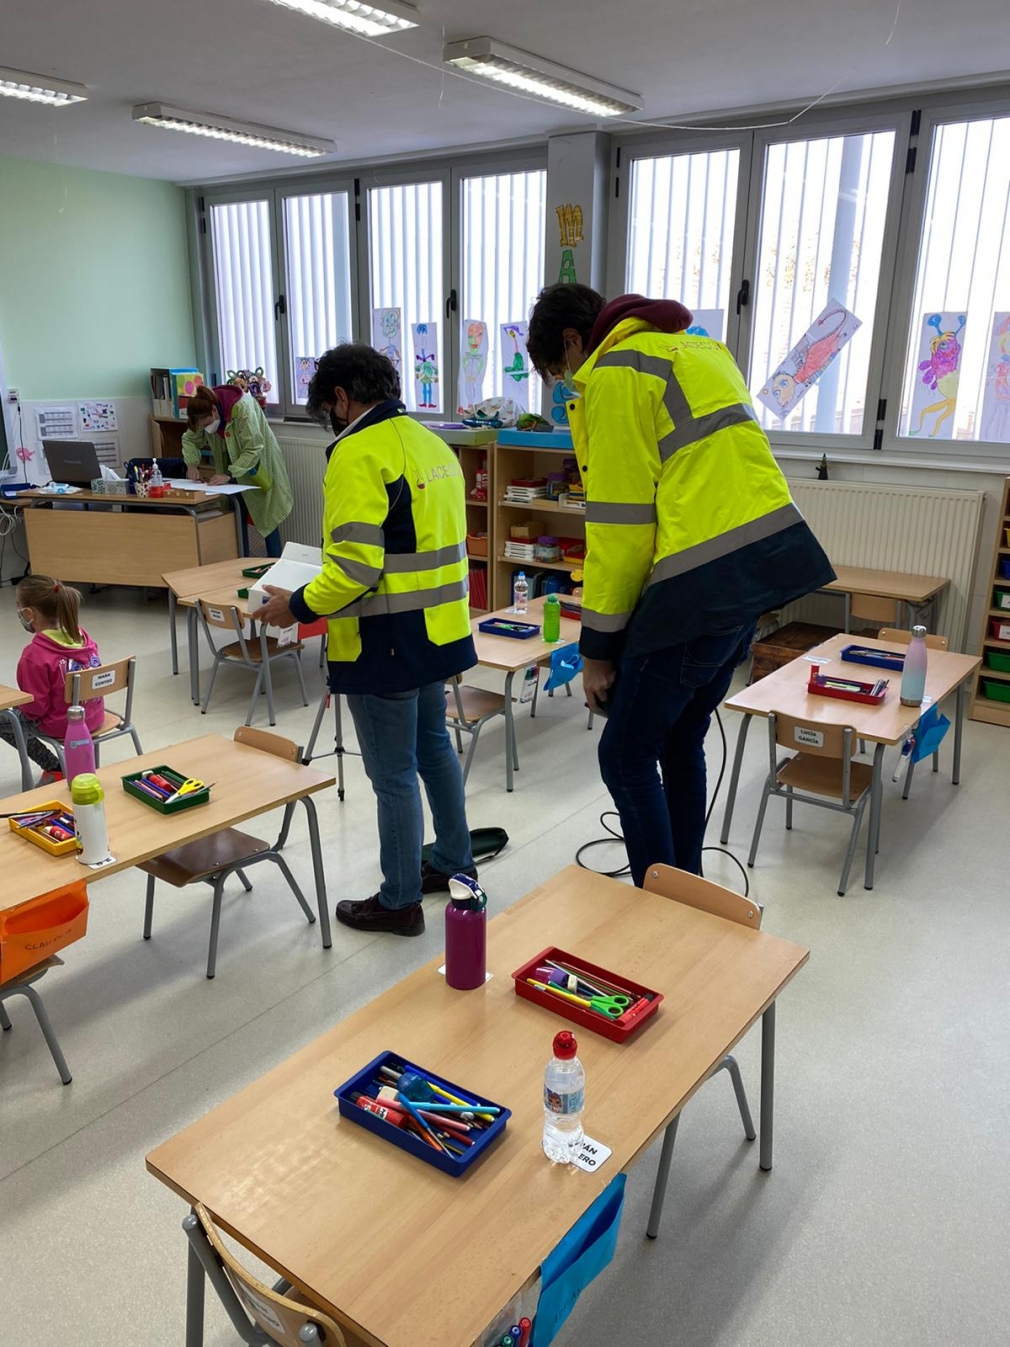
x,y
465,934
78,745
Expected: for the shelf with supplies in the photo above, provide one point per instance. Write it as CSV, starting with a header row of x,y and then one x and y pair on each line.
x,y
993,710
543,503
518,457
541,565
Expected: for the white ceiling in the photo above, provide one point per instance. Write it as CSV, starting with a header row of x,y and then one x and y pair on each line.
x,y
254,61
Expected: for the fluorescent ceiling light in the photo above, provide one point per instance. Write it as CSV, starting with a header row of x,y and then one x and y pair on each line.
x,y
40,88
493,60
390,16
223,128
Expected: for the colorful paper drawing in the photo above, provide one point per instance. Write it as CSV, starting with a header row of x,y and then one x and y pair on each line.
x,y
387,336
938,375
100,416
305,367
709,323
820,345
515,364
995,423
473,363
570,225
425,339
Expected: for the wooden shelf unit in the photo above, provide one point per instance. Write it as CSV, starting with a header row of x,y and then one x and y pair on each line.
x,y
533,460
472,447
982,707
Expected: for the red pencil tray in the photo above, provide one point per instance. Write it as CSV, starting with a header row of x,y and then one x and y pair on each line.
x,y
817,687
616,1030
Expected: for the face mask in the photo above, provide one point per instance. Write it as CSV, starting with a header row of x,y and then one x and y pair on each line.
x,y
25,622
211,427
337,425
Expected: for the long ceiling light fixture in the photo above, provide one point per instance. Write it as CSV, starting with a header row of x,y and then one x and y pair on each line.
x,y
223,128
40,88
389,16
493,60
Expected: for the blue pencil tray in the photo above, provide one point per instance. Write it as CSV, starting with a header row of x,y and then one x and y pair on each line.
x,y
455,1166
880,659
501,626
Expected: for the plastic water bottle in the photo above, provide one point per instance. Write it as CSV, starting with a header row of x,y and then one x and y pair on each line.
x,y
78,745
520,593
564,1101
465,934
156,477
913,678
89,816
552,618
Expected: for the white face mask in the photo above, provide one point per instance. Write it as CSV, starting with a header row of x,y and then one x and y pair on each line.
x,y
211,427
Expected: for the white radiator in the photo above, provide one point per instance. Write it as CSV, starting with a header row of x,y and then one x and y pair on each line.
x,y
306,460
921,530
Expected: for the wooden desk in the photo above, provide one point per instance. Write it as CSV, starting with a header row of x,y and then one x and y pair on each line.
x,y
914,593
132,540
785,691
183,588
405,1255
512,656
247,782
9,698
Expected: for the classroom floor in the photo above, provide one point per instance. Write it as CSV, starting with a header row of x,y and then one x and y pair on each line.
x,y
884,1220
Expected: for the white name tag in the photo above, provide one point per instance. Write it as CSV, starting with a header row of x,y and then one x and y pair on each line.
x,y
803,735
217,614
104,680
593,1155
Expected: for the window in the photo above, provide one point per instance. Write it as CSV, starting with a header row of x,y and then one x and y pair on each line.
x,y
820,242
318,294
502,260
681,229
406,273
957,365
241,241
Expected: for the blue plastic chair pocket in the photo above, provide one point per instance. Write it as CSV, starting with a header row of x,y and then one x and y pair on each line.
x,y
580,1257
565,664
929,735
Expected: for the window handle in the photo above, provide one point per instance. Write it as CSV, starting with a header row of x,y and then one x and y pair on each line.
x,y
743,295
451,304
281,307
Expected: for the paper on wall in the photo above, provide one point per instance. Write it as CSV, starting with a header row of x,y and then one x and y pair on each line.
x,y
387,336
472,363
709,323
97,416
424,338
56,423
995,421
515,364
821,344
937,376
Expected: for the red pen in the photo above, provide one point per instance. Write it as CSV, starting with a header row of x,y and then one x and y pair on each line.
x,y
525,1325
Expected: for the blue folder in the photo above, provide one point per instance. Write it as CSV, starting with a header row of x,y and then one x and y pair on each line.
x,y
582,1255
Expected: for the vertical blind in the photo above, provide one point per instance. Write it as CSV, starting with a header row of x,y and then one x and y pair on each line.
x,y
318,263
244,288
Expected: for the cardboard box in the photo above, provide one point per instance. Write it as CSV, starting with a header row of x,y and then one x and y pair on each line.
x,y
298,565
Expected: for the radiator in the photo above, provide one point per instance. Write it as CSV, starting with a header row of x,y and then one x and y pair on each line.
x,y
306,461
920,530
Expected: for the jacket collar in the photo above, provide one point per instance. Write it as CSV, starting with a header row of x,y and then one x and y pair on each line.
x,y
627,327
382,411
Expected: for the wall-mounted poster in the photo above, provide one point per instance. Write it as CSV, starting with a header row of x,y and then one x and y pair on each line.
x,y
995,423
472,363
425,339
821,344
515,364
387,336
937,376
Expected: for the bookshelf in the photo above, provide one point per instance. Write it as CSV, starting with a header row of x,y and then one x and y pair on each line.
x,y
989,678
517,454
472,448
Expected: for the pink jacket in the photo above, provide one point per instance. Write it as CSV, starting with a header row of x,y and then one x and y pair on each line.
x,y
43,665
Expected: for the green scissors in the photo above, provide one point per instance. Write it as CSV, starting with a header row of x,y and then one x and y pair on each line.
x,y
612,1006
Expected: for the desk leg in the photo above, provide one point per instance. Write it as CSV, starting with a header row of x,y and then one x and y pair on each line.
x,y
510,731
196,1286
317,867
734,779
848,612
767,1085
955,774
237,501
17,729
876,809
267,677
172,635
193,645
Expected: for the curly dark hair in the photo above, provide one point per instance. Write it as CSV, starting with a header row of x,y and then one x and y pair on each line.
x,y
558,307
357,368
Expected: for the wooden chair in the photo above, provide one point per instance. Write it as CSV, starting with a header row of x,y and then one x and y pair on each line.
x,y
693,891
214,859
23,985
84,685
260,1314
870,608
823,774
470,710
258,657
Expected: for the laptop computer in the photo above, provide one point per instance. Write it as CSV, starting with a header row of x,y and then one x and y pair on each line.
x,y
72,462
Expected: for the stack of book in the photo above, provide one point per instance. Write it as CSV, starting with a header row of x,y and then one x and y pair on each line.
x,y
520,551
525,489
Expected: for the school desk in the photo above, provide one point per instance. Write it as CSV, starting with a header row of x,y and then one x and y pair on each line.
x,y
9,698
184,586
785,690
130,540
514,656
404,1255
246,781
914,594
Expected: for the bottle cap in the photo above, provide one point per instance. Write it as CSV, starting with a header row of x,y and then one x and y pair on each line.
x,y
565,1045
75,712
918,631
553,598
86,789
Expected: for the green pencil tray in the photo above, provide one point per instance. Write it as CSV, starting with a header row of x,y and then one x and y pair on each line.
x,y
190,801
256,572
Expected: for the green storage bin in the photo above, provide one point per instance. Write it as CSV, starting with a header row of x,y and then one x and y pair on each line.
x,y
256,572
998,661
189,801
995,692
1002,599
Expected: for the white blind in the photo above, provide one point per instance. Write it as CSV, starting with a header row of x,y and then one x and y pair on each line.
x,y
244,288
405,246
318,262
502,258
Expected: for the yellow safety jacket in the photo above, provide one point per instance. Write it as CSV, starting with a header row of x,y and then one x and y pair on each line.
x,y
395,578
690,527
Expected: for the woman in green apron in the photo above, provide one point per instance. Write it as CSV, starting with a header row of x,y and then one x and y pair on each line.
x,y
232,426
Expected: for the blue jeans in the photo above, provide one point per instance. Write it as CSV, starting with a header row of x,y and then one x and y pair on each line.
x,y
402,735
661,705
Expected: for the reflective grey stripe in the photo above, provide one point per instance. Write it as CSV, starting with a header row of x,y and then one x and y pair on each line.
x,y
604,621
610,512
377,605
369,534
369,576
645,364
399,563
693,557
699,427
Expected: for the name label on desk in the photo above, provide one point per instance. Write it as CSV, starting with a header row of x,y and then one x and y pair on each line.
x,y
804,735
593,1155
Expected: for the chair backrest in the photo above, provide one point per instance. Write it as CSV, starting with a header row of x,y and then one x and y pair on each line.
x,y
268,743
693,891
279,1317
224,615
901,637
872,607
84,685
820,741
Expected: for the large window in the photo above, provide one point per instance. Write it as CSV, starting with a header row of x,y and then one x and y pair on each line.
x,y
957,366
823,215
318,276
244,289
501,262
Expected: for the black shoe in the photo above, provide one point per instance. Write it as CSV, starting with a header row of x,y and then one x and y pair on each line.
x,y
434,881
370,915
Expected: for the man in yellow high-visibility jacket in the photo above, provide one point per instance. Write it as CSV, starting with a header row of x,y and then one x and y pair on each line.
x,y
394,586
691,534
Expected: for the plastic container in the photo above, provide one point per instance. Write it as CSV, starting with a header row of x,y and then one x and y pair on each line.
x,y
619,1030
552,618
995,691
564,1101
156,479
995,659
999,628
520,593
822,685
879,659
465,934
78,745
89,812
1002,599
32,832
189,801
500,626
1004,567
913,679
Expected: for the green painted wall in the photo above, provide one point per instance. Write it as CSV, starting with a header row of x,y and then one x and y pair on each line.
x,y
94,281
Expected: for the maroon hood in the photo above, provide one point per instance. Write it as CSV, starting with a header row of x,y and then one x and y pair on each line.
x,y
227,396
666,315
